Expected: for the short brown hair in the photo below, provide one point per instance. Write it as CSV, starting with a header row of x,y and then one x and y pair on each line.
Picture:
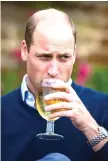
x,y
34,20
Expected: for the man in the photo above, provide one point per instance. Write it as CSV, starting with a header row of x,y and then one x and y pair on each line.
x,y
49,50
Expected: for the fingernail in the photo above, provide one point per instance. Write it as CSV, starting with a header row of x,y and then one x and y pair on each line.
x,y
46,109
46,97
54,85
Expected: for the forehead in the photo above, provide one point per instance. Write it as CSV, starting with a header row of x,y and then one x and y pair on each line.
x,y
53,38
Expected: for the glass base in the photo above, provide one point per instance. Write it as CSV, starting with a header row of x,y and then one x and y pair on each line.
x,y
49,136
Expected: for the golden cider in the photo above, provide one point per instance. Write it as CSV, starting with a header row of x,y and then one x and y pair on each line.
x,y
41,103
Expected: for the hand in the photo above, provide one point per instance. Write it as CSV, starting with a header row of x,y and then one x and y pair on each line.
x,y
73,108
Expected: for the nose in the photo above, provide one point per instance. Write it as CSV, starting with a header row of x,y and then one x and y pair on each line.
x,y
53,69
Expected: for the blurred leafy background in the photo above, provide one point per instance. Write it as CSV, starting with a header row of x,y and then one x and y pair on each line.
x,y
91,20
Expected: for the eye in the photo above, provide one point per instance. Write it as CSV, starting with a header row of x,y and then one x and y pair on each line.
x,y
45,57
64,57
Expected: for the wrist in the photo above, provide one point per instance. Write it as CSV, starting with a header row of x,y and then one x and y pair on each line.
x,y
98,140
91,132
100,145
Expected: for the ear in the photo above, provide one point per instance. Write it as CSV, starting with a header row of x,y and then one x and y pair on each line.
x,y
74,54
24,51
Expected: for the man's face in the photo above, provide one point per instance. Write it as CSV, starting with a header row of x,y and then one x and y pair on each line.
x,y
51,55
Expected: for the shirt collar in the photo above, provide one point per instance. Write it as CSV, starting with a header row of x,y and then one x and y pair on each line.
x,y
69,82
24,88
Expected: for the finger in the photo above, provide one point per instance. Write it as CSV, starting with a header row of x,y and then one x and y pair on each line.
x,y
59,95
65,113
60,105
61,85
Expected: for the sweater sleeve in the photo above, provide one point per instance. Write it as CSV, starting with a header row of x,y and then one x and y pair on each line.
x,y
102,154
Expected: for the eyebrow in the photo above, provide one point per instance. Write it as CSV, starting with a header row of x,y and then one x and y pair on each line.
x,y
48,53
43,53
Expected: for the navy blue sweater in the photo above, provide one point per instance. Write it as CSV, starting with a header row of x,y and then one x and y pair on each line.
x,y
21,123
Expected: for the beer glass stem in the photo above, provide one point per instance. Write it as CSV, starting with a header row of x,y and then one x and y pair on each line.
x,y
50,127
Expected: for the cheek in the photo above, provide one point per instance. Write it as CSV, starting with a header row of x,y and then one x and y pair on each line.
x,y
68,66
35,67
68,69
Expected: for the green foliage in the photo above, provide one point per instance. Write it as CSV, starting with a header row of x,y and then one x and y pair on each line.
x,y
99,79
9,80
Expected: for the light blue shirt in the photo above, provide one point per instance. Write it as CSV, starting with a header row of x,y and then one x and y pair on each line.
x,y
27,96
